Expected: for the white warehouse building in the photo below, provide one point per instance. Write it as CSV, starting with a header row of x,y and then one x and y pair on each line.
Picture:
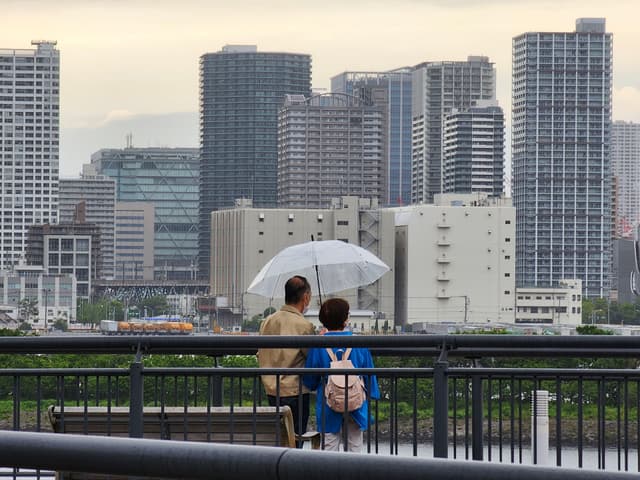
x,y
455,261
244,239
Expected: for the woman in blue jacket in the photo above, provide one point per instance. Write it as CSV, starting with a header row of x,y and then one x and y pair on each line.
x,y
334,315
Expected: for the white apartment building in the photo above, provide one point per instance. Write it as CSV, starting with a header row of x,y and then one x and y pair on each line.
x,y
244,239
438,88
29,132
561,158
625,163
560,305
99,194
455,261
473,150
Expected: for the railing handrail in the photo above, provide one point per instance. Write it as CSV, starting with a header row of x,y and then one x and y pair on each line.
x,y
474,346
174,459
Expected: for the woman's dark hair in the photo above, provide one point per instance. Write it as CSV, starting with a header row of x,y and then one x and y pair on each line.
x,y
334,313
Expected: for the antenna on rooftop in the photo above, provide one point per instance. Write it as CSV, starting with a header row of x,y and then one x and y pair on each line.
x,y
129,140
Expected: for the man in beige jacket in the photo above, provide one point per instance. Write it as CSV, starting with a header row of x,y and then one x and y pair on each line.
x,y
289,320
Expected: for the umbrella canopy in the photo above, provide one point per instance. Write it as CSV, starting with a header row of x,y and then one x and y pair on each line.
x,y
340,266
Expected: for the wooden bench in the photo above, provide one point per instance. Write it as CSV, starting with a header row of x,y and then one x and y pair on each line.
x,y
241,425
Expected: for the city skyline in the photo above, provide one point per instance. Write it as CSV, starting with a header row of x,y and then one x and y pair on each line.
x,y
131,40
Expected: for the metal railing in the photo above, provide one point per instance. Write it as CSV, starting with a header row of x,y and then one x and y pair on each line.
x,y
449,408
170,459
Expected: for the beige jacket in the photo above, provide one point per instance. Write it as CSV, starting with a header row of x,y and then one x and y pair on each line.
x,y
287,321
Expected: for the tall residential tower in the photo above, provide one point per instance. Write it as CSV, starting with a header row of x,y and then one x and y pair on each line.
x,y
329,146
438,88
625,161
241,91
561,159
29,132
391,90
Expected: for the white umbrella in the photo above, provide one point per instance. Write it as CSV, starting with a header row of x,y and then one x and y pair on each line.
x,y
334,264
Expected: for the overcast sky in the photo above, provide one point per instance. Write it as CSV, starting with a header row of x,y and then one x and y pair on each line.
x,y
132,65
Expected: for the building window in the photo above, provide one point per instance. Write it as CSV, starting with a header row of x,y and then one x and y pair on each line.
x,y
507,239
507,292
507,257
66,259
507,274
291,217
66,244
82,245
507,222
261,217
260,251
345,240
343,222
260,233
290,234
53,244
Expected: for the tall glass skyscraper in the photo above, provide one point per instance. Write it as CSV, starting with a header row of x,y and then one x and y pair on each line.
x,y
560,154
241,91
167,178
391,90
29,133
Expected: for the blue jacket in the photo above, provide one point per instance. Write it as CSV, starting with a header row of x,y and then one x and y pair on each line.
x,y
319,358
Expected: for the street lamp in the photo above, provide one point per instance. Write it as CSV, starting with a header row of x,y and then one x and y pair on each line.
x,y
46,298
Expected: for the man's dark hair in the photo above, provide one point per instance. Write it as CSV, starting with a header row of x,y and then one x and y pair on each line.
x,y
334,313
295,288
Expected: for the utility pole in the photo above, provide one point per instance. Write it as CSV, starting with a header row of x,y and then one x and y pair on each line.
x,y
466,307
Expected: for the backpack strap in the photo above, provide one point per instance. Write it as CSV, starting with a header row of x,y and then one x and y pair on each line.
x,y
345,355
332,355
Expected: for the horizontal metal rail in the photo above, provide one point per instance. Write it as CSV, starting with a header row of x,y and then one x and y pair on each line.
x,y
475,346
170,459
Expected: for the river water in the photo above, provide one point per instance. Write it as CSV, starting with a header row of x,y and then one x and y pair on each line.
x,y
613,460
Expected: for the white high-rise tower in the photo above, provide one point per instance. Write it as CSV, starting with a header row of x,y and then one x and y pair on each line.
x,y
561,156
29,131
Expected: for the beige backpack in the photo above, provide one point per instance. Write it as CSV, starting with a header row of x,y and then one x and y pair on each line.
x,y
336,390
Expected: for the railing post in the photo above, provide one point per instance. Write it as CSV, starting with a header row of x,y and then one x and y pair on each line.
x,y
217,386
136,400
477,417
441,406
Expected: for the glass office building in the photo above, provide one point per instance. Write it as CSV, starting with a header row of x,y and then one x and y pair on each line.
x,y
167,178
391,90
241,91
561,160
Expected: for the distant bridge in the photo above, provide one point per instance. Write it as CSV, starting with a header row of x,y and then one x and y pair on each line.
x,y
141,289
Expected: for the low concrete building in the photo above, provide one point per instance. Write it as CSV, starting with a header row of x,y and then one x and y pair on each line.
x,y
561,305
244,239
51,297
455,261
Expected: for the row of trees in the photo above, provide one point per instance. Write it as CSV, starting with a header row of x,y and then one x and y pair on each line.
x,y
601,310
107,308
93,312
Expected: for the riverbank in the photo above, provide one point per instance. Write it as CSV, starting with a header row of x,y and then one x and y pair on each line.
x,y
569,429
